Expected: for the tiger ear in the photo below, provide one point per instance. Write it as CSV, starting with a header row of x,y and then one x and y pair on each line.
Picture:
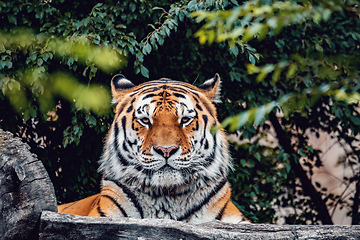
x,y
211,88
120,86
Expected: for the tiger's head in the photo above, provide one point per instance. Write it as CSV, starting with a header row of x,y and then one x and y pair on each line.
x,y
161,137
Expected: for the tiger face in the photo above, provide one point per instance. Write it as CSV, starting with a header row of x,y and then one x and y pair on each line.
x,y
161,136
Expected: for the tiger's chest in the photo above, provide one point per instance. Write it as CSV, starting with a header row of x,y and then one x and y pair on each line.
x,y
188,206
166,207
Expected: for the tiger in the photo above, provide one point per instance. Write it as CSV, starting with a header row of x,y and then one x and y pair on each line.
x,y
160,159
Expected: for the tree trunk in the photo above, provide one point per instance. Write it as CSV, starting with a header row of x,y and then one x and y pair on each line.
x,y
25,190
356,203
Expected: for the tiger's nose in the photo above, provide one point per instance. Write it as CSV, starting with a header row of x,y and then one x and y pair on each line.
x,y
166,152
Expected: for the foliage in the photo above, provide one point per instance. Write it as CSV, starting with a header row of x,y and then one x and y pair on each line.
x,y
310,63
301,56
55,77
36,78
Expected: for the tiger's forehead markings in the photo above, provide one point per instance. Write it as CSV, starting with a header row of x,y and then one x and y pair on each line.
x,y
150,95
179,95
164,83
158,94
166,93
163,87
162,99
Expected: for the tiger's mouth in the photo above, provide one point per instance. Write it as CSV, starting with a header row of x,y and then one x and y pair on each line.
x,y
167,176
167,168
166,165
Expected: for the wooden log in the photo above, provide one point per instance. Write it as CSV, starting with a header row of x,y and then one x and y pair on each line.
x,y
25,190
61,226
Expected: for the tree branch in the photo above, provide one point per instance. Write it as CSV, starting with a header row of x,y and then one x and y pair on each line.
x,y
355,207
308,188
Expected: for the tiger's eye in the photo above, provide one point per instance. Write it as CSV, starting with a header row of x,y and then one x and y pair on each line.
x,y
145,120
185,120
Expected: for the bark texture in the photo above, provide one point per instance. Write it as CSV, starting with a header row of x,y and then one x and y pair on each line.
x,y
61,226
25,190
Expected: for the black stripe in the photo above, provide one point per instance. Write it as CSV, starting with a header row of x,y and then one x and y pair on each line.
x,y
172,85
206,146
130,108
183,104
211,158
122,160
102,214
205,118
196,208
197,96
177,89
179,95
123,122
130,195
150,90
117,204
70,205
125,147
150,95
168,82
207,105
198,107
221,213
145,90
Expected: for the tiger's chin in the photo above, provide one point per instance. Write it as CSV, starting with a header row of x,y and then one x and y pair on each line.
x,y
167,177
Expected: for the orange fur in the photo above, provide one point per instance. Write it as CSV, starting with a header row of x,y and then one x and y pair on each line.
x,y
82,207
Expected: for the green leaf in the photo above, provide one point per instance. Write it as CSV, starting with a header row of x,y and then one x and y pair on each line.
x,y
70,61
318,47
291,71
40,61
8,63
146,49
243,162
158,8
252,59
241,120
26,115
260,114
85,181
283,173
302,153
132,6
98,5
257,156
355,120
91,120
33,113
144,71
12,19
339,113
287,166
